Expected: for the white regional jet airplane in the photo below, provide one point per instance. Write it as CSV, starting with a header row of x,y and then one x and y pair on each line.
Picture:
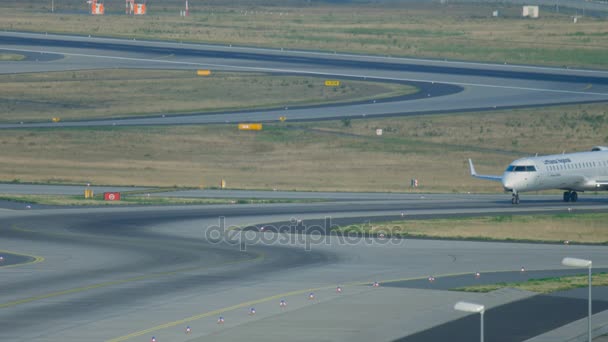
x,y
581,171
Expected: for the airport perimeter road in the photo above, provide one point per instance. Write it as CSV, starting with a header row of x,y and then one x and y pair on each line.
x,y
397,201
449,85
128,274
391,205
411,198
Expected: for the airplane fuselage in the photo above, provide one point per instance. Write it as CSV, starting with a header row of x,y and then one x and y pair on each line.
x,y
572,172
583,171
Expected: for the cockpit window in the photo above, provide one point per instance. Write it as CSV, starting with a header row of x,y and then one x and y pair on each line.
x,y
521,168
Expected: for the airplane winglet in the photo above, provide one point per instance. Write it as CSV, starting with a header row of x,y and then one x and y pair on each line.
x,y
486,177
473,173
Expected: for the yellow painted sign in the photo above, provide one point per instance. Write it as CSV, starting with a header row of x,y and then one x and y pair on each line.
x,y
282,118
88,193
203,72
250,127
55,119
332,83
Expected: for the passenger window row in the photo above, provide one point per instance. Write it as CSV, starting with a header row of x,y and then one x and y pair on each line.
x,y
584,165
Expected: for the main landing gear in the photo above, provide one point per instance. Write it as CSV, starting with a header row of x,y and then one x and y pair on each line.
x,y
515,198
570,196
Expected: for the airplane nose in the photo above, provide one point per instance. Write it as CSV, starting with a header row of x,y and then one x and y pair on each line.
x,y
508,182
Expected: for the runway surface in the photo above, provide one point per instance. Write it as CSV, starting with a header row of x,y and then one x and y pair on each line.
x,y
484,86
132,273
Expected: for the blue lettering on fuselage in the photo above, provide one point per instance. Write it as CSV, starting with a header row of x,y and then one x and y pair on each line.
x,y
557,161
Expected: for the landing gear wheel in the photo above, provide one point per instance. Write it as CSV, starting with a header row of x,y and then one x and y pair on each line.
x,y
570,196
515,199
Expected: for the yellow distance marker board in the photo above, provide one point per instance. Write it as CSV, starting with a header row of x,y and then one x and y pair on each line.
x,y
203,72
250,127
332,83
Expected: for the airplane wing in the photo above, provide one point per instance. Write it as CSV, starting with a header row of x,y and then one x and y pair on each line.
x,y
486,177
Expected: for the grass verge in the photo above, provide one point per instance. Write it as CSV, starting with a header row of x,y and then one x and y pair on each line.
x,y
544,285
11,57
590,228
312,156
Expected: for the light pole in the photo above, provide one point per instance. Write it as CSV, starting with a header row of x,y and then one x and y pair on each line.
x,y
573,262
474,308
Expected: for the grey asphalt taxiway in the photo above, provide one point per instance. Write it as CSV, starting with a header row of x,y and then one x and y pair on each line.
x,y
449,85
128,274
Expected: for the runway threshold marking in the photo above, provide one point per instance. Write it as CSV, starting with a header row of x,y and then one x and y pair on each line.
x,y
259,256
306,72
35,259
